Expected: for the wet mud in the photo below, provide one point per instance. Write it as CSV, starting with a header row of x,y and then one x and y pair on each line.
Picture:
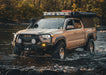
x,y
77,62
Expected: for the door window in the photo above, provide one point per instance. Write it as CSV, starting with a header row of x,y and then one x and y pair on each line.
x,y
70,22
77,24
69,25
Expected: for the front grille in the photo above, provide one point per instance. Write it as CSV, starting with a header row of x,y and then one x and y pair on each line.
x,y
26,38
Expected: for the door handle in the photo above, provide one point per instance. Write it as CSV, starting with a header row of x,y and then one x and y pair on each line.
x,y
74,32
82,31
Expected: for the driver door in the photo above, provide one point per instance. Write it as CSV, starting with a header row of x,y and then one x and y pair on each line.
x,y
75,35
70,34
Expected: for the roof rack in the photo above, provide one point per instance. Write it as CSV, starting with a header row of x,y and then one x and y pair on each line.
x,y
70,14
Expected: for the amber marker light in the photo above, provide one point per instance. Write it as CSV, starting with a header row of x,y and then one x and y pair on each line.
x,y
13,43
43,45
52,35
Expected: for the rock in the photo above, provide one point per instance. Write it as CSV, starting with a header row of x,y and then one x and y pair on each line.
x,y
2,71
101,69
24,73
34,72
48,72
32,67
64,70
66,67
62,73
86,73
13,72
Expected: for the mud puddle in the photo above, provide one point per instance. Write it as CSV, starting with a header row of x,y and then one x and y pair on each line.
x,y
78,62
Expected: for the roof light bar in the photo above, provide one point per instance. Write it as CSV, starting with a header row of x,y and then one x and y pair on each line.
x,y
56,13
70,13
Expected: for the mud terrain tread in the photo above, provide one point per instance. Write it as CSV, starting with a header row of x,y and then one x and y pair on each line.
x,y
56,52
87,47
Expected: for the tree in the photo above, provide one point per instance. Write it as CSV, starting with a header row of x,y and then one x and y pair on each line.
x,y
21,10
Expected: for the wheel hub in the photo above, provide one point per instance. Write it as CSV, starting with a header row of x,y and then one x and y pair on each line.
x,y
91,47
62,53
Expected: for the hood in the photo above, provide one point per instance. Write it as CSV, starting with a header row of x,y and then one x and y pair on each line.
x,y
40,31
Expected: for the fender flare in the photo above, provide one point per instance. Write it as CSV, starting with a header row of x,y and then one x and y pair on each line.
x,y
60,38
89,36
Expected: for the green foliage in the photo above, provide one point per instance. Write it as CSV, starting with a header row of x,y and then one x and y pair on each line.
x,y
22,10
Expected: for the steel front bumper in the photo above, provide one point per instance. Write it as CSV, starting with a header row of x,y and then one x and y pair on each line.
x,y
44,47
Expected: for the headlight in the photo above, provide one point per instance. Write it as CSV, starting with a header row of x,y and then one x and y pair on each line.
x,y
33,41
19,40
45,37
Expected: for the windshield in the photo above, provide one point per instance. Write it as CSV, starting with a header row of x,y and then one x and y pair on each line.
x,y
49,23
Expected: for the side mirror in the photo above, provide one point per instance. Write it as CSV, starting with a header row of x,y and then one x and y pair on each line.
x,y
36,26
70,27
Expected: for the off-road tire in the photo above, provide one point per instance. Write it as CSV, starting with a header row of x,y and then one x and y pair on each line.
x,y
17,51
60,49
90,46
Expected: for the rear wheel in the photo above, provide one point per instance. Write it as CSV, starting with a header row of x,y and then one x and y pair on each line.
x,y
90,46
60,51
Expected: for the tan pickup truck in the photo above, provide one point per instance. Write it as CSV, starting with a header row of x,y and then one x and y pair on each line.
x,y
56,33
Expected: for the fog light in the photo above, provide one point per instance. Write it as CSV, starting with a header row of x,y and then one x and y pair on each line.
x,y
43,45
33,41
13,43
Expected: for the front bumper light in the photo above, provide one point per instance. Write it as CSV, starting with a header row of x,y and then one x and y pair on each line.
x,y
33,41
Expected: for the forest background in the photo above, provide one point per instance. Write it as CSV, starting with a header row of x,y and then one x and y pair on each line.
x,y
18,11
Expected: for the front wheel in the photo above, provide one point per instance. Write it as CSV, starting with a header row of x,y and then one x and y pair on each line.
x,y
60,51
90,46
